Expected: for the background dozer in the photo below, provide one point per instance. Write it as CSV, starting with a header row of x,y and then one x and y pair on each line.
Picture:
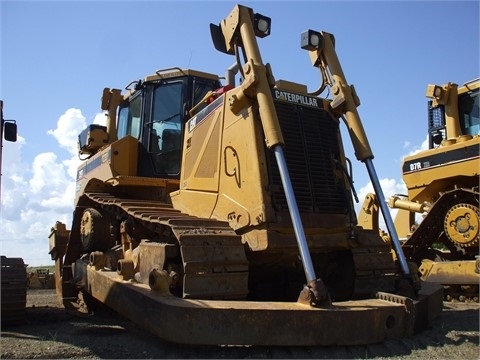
x,y
13,294
443,185
215,213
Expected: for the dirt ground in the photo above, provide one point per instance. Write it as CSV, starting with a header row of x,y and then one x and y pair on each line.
x,y
50,333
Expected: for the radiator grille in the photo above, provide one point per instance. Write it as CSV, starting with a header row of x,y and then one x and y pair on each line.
x,y
311,145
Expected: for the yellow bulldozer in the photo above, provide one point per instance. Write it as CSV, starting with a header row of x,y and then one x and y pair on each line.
x,y
40,278
443,189
217,213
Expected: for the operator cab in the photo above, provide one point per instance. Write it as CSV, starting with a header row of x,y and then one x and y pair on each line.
x,y
468,115
155,113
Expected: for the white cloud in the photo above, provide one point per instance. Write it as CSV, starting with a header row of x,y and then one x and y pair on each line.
x,y
389,187
13,202
100,119
416,149
11,158
72,165
14,183
69,125
37,194
47,173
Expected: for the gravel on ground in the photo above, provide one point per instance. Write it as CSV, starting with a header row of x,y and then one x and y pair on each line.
x,y
51,333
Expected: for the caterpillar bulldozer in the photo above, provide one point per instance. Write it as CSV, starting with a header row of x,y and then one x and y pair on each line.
x,y
443,186
40,279
214,213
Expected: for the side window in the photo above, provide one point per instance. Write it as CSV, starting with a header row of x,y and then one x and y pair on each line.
x,y
469,112
200,89
129,119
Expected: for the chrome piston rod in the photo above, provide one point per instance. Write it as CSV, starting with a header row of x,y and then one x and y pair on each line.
x,y
295,215
387,217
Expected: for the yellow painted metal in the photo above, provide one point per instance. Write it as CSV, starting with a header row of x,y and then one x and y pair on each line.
x,y
111,98
116,159
176,72
404,221
222,322
449,272
462,224
424,185
345,100
224,175
425,182
368,215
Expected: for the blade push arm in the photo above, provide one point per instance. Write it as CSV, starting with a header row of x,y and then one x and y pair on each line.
x,y
239,30
345,101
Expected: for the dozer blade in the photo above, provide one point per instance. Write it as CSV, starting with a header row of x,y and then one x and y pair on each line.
x,y
219,322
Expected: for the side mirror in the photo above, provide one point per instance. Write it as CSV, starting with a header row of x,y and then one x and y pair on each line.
x,y
10,131
219,40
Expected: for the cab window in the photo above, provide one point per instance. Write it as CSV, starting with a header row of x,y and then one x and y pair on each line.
x,y
129,118
166,127
469,113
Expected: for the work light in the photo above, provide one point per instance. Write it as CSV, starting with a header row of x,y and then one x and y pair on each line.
x,y
311,40
261,25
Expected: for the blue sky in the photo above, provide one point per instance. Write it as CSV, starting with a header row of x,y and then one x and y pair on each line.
x,y
57,56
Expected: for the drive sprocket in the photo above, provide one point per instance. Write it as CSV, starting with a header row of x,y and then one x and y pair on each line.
x,y
461,225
